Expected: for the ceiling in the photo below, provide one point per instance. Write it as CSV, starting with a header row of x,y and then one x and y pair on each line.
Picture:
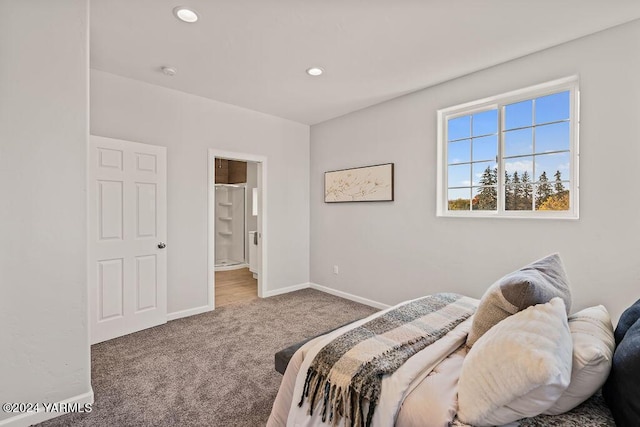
x,y
254,53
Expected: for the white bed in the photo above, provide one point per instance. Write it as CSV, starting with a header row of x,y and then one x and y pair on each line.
x,y
422,392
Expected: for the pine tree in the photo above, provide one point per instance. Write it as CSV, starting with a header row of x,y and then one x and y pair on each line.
x,y
515,192
544,190
559,200
508,193
525,193
487,197
558,185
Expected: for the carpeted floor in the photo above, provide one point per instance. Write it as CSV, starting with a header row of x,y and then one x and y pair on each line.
x,y
213,369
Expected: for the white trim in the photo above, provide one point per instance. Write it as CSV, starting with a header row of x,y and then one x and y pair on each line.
x,y
211,243
326,290
262,228
87,210
571,84
515,95
188,312
31,418
262,219
349,296
286,290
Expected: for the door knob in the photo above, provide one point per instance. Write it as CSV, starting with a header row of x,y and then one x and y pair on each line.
x,y
161,245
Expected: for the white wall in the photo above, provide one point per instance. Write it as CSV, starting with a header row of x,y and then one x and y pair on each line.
x,y
188,125
43,139
393,251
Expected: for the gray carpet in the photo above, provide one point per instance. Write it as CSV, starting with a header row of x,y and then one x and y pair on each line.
x,y
213,369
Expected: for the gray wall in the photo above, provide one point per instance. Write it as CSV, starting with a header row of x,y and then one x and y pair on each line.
x,y
389,252
188,126
43,148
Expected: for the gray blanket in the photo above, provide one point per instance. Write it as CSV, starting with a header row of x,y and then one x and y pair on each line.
x,y
346,374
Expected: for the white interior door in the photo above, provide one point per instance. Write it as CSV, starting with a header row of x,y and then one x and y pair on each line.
x,y
127,234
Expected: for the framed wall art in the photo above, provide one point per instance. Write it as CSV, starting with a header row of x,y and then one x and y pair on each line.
x,y
363,184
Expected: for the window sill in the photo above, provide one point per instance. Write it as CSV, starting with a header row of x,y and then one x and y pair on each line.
x,y
521,215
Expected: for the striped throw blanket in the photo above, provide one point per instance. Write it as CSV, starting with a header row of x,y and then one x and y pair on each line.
x,y
346,374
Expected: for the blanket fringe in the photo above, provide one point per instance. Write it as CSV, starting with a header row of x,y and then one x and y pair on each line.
x,y
338,402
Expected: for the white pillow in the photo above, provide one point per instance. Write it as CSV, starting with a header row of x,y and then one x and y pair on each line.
x,y
593,346
518,369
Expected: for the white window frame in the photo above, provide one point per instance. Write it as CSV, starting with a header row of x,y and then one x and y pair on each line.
x,y
498,102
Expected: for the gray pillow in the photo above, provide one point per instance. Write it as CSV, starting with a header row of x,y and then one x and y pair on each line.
x,y
536,283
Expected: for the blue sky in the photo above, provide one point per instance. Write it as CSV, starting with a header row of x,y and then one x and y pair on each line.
x,y
480,134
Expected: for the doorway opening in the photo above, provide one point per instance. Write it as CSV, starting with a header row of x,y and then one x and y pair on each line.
x,y
237,196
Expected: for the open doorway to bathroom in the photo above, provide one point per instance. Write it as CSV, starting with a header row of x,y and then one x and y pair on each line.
x,y
236,226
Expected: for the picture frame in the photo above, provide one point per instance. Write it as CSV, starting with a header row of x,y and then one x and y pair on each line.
x,y
361,184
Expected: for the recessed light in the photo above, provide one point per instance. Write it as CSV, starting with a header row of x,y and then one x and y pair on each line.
x,y
169,71
186,15
315,71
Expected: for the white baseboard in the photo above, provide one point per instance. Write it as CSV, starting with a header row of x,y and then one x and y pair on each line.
x,y
189,312
31,418
349,296
286,290
203,309
327,290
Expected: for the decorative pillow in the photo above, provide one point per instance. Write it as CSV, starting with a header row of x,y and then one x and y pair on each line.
x,y
593,345
518,369
628,318
533,284
621,391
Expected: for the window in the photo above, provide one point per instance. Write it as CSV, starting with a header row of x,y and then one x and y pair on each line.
x,y
512,155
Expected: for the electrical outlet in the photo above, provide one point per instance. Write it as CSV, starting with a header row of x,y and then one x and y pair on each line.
x,y
335,269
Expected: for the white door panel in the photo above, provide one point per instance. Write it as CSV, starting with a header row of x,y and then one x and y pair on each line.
x,y
110,285
127,222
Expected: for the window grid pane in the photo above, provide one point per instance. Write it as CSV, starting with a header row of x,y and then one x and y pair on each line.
x,y
459,151
519,115
460,175
485,198
552,108
459,199
459,128
558,201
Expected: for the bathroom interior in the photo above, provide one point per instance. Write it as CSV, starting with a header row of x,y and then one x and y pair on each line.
x,y
236,221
